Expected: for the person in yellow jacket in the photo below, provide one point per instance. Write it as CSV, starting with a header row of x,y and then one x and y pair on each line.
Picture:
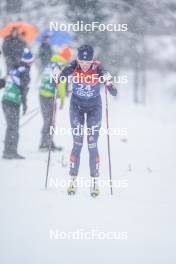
x,y
47,93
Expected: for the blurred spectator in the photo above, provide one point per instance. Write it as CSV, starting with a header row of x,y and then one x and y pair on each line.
x,y
15,95
45,53
13,47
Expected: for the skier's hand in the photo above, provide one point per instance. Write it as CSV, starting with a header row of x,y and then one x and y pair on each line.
x,y
108,84
107,80
24,109
111,89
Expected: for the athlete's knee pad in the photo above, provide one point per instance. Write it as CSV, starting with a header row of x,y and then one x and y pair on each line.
x,y
92,141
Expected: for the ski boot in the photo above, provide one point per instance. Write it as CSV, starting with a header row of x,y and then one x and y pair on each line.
x,y
71,190
11,156
45,148
94,189
55,148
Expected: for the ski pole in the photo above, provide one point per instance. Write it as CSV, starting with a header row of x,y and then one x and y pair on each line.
x,y
29,119
51,138
108,141
31,111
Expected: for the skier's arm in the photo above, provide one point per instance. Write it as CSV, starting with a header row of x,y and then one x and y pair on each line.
x,y
68,70
62,82
108,81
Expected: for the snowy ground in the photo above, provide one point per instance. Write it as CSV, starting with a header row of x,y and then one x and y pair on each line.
x,y
143,208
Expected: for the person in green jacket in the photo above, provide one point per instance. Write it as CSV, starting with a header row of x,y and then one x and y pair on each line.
x,y
15,95
47,94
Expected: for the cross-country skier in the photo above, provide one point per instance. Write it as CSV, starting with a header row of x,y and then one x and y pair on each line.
x,y
86,100
15,93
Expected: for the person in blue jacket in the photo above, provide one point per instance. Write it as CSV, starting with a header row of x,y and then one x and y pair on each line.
x,y
87,75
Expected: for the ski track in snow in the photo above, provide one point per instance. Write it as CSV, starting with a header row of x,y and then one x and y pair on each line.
x,y
144,209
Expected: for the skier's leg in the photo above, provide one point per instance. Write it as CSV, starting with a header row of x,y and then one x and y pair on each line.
x,y
12,113
77,123
46,104
93,124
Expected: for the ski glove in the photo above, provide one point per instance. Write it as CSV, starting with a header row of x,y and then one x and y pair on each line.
x,y
107,77
108,84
